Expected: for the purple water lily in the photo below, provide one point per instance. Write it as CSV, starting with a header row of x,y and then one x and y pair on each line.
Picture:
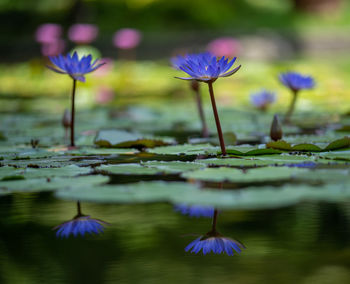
x,y
207,68
295,82
262,99
195,210
74,66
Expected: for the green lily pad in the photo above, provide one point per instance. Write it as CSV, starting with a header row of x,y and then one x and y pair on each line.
x,y
128,169
124,139
235,175
67,171
185,193
174,166
55,183
186,149
307,147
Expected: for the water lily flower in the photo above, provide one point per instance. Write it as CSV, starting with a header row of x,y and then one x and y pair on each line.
x,y
195,210
215,243
207,68
306,165
48,33
76,68
224,46
83,33
295,82
127,38
263,99
176,62
80,225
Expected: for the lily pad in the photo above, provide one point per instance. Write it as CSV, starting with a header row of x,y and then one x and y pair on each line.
x,y
124,139
55,183
127,169
235,175
185,193
174,166
186,149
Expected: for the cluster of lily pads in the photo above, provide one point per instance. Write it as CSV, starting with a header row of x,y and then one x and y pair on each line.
x,y
129,159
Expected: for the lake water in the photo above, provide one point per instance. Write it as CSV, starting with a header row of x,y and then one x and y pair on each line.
x,y
307,243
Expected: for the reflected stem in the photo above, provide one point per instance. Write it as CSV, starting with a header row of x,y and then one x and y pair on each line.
x,y
217,120
79,209
72,144
215,219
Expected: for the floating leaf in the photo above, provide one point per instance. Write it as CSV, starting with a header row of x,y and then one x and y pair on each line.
x,y
174,166
55,183
185,149
338,144
124,139
184,193
128,169
236,175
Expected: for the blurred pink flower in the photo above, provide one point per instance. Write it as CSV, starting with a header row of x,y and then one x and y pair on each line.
x,y
104,95
48,33
106,68
126,38
224,46
83,33
53,48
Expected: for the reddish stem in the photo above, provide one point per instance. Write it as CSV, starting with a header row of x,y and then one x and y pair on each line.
x,y
72,144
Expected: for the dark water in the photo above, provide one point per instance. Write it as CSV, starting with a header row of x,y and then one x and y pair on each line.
x,y
308,243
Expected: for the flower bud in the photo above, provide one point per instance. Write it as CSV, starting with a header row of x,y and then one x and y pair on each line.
x,y
66,119
276,129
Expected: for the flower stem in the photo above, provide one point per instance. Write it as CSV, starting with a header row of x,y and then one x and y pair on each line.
x,y
205,132
72,114
291,107
215,219
217,120
79,209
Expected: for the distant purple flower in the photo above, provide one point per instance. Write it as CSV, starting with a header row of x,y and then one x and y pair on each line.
x,y
306,165
127,38
195,210
296,81
263,99
214,242
82,33
73,66
224,46
80,225
48,33
205,67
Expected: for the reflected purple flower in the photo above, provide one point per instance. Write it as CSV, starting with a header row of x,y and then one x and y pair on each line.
x,y
195,210
307,165
224,46
48,33
263,99
80,225
83,33
215,243
127,38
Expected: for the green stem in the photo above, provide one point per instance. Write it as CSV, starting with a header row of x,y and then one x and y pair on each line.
x,y
205,132
72,114
291,107
217,120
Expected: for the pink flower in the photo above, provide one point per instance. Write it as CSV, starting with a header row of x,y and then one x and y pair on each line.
x,y
53,48
104,95
83,33
48,33
224,46
126,38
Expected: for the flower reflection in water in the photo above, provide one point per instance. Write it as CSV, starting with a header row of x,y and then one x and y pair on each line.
x,y
195,210
214,242
80,225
